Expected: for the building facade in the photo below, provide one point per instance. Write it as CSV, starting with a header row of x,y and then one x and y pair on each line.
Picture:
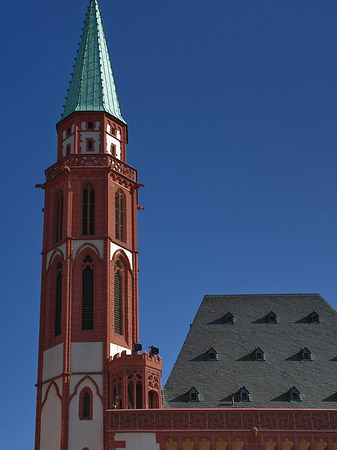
x,y
96,390
89,295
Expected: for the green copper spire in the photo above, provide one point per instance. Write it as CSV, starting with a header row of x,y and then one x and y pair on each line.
x,y
92,87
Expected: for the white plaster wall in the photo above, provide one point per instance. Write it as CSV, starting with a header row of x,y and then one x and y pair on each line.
x,y
138,441
75,379
70,140
114,248
62,249
114,349
52,362
90,135
112,140
85,433
86,357
51,422
57,381
97,243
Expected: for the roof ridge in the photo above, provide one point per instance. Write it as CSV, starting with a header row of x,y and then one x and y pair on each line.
x,y
264,295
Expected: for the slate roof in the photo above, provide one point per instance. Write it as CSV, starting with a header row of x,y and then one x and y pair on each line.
x,y
92,86
269,382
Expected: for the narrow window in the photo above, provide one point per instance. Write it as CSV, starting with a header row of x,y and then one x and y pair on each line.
x,y
68,131
116,391
90,125
88,215
118,290
88,295
68,149
90,145
113,130
59,217
113,150
58,302
153,399
86,406
135,391
120,217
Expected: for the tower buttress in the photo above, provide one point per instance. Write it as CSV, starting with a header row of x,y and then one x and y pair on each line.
x,y
89,288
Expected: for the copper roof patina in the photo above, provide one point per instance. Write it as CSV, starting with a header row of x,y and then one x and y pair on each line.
x,y
92,86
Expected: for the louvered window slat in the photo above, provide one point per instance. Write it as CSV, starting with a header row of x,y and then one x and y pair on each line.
x,y
120,217
58,305
117,216
85,211
92,212
87,299
59,217
118,303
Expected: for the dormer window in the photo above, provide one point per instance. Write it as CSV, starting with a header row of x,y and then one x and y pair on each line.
x,y
212,355
306,354
193,395
271,317
229,318
259,354
244,395
314,317
90,125
295,395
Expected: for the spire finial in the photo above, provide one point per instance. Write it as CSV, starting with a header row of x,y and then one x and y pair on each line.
x,y
92,87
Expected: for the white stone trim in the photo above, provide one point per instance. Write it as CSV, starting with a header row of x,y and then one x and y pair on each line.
x,y
62,250
86,357
113,249
114,349
52,362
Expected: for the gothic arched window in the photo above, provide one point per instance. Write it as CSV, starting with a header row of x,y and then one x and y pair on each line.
x,y
118,295
135,390
58,216
58,302
120,222
88,216
87,294
85,404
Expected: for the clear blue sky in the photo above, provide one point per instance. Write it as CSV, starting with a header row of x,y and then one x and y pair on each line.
x,y
232,113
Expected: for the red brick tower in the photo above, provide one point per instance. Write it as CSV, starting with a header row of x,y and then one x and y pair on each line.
x,y
89,294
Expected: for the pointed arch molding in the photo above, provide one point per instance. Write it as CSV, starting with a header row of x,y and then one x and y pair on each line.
x,y
51,255
95,245
52,383
114,249
86,377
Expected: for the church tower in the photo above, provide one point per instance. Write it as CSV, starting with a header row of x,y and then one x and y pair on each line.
x,y
88,358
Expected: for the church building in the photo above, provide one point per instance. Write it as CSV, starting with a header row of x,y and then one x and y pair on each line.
x,y
255,372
